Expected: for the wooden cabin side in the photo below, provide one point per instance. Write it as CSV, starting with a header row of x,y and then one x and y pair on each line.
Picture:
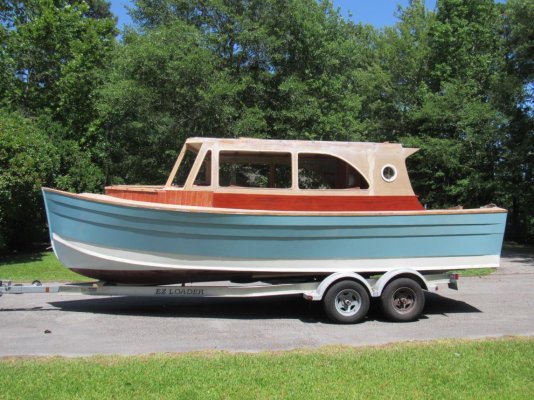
x,y
368,177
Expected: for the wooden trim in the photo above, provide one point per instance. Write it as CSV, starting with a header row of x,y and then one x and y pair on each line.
x,y
137,188
175,167
253,190
100,198
275,202
214,165
172,196
201,155
294,192
315,203
294,171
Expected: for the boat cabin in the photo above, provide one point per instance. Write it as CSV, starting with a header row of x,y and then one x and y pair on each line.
x,y
284,175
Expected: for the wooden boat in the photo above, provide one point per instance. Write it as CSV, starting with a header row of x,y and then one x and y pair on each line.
x,y
251,209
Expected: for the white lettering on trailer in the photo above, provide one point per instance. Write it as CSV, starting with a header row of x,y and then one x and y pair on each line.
x,y
181,291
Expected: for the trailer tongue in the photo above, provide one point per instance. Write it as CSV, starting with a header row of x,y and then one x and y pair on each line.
x,y
101,289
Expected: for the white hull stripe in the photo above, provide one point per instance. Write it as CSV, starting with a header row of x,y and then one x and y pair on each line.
x,y
86,256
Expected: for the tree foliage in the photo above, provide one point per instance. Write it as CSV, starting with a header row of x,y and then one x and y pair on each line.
x,y
160,91
463,94
29,160
456,81
52,55
230,68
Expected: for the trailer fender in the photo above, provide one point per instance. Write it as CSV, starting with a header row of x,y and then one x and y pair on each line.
x,y
317,294
396,273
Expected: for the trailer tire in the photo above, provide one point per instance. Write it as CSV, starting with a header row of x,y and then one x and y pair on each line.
x,y
346,302
403,300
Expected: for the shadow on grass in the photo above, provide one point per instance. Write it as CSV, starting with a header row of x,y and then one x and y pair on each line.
x,y
286,307
21,258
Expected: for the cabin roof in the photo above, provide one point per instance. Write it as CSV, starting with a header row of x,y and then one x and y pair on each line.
x,y
380,166
300,145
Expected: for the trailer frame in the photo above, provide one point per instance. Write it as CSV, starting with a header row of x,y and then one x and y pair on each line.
x,y
348,305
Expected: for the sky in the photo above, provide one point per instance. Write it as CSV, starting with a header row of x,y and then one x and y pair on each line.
x,y
379,13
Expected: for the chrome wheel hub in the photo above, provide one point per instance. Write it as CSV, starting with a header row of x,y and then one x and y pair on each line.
x,y
348,302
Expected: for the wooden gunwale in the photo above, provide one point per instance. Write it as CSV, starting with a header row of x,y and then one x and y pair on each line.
x,y
246,190
104,199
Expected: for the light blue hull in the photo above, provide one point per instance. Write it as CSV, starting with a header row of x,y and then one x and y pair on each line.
x,y
122,242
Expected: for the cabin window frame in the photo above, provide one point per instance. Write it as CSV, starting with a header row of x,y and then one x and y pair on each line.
x,y
249,150
202,155
195,168
204,148
335,156
176,166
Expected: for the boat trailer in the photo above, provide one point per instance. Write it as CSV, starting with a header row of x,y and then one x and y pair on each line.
x,y
345,296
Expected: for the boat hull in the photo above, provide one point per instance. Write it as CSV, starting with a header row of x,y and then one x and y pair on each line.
x,y
126,241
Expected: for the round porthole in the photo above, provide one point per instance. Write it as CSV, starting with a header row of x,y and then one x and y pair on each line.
x,y
389,173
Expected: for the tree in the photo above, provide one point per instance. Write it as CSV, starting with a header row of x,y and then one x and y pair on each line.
x,y
235,68
162,88
405,52
55,51
52,54
442,66
455,81
29,160
514,96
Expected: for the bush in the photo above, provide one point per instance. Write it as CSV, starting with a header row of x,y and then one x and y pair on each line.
x,y
27,162
31,157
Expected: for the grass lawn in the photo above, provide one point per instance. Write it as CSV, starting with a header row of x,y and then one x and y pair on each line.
x,y
477,272
487,369
43,266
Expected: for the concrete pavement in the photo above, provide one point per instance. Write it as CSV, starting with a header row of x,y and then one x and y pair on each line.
x,y
492,306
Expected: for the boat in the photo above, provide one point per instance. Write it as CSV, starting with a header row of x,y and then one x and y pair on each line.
x,y
262,210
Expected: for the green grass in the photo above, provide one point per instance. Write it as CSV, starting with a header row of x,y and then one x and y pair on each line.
x,y
43,266
488,369
476,271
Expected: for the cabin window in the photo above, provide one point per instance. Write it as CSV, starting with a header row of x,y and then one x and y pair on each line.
x,y
322,171
389,173
254,169
203,177
185,166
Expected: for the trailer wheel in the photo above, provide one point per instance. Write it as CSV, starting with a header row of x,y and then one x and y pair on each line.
x,y
402,300
346,302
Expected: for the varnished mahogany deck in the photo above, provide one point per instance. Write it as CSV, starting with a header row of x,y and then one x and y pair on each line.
x,y
275,202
